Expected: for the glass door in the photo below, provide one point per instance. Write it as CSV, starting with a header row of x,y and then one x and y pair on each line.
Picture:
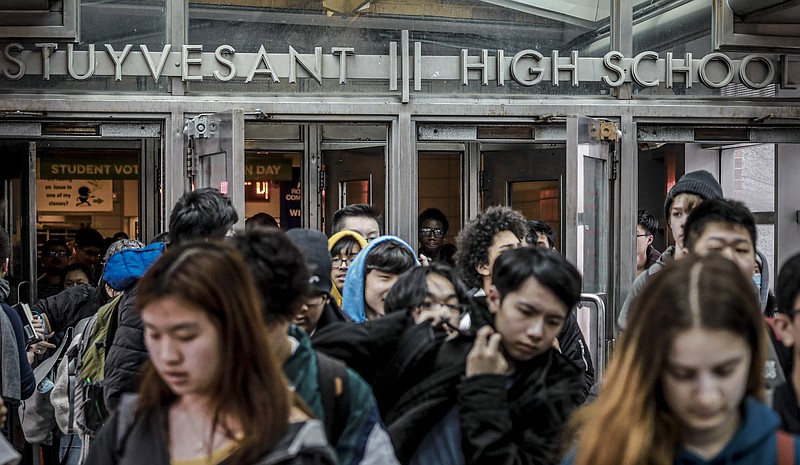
x,y
588,232
528,178
353,167
353,175
439,187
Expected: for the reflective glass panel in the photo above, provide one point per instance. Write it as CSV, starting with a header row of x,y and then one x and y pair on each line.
x,y
117,23
753,176
440,187
539,200
272,188
682,27
361,33
593,229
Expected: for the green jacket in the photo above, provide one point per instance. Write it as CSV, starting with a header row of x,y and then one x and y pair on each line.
x,y
364,439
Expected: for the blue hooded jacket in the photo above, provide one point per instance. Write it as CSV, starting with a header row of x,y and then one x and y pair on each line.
x,y
754,444
353,292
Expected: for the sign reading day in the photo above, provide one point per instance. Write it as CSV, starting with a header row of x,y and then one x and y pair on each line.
x,y
88,168
267,168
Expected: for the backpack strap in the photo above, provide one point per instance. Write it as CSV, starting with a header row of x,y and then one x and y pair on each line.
x,y
73,363
44,368
786,452
113,322
334,387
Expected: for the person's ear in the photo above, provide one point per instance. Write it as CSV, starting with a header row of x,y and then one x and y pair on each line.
x,y
783,326
493,299
4,268
483,269
649,239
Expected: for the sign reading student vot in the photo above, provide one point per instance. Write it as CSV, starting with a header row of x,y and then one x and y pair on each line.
x,y
89,168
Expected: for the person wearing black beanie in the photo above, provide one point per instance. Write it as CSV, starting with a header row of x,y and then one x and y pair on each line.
x,y
701,183
319,310
691,189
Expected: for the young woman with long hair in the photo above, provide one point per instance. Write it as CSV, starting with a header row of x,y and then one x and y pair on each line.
x,y
686,382
212,391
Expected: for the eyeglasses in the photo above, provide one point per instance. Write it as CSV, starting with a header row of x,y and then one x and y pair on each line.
x,y
339,261
643,235
316,301
54,253
426,232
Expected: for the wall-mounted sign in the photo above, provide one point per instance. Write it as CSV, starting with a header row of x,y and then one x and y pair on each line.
x,y
290,201
485,67
88,168
256,191
267,169
74,195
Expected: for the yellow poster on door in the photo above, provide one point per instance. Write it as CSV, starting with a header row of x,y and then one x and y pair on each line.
x,y
75,195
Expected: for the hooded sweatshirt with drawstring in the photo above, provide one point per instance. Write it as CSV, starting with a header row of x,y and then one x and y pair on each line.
x,y
353,302
332,242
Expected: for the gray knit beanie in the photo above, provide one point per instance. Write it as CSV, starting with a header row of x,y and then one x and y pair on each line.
x,y
121,244
701,183
314,246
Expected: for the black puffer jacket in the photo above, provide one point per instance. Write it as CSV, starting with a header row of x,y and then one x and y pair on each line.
x,y
125,351
367,347
499,425
71,305
570,340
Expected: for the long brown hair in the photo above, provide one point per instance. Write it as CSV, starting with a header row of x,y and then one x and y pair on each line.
x,y
250,389
630,423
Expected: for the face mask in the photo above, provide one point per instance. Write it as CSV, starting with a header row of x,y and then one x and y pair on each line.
x,y
757,279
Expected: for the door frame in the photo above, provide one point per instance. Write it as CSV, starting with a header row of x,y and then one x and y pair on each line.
x,y
96,132
311,145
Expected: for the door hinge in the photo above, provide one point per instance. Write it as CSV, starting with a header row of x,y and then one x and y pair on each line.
x,y
484,181
613,172
191,169
323,178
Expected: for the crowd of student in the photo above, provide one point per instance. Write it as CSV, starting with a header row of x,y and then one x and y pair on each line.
x,y
264,347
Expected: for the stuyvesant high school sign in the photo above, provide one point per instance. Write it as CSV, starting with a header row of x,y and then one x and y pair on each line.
x,y
408,66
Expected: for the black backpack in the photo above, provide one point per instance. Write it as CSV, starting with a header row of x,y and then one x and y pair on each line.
x,y
334,388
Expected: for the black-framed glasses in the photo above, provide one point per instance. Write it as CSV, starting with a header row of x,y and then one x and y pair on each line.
x,y
54,253
643,235
339,261
426,232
